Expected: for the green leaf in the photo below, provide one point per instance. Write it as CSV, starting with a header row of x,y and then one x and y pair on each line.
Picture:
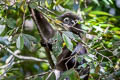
x,y
84,65
100,13
66,2
2,29
110,1
106,2
59,2
115,29
103,64
70,74
88,59
2,22
116,36
106,25
84,27
33,5
96,1
57,44
68,42
88,9
80,58
11,23
44,66
71,35
4,40
20,42
48,3
28,39
27,42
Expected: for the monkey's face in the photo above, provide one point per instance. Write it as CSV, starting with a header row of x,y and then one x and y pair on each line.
x,y
70,19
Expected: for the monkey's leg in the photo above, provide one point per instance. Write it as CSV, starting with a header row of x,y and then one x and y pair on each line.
x,y
66,60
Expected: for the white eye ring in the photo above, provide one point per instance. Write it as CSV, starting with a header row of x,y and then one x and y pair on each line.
x,y
66,19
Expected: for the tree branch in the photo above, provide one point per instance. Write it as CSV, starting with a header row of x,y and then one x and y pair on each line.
x,y
45,37
15,54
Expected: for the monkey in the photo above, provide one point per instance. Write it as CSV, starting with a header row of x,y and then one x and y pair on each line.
x,y
47,32
71,20
64,60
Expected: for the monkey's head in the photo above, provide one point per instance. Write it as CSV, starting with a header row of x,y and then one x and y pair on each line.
x,y
70,19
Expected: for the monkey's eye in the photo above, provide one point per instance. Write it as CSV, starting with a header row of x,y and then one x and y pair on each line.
x,y
73,22
66,20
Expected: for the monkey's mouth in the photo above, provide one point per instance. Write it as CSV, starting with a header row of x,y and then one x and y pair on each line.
x,y
66,26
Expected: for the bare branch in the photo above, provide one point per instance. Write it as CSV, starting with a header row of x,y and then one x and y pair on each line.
x,y
22,57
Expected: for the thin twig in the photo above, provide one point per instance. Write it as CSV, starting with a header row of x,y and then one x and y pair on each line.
x,y
23,22
41,74
49,75
40,7
103,56
85,3
6,65
106,48
25,57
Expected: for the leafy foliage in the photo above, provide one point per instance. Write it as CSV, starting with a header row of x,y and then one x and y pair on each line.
x,y
101,33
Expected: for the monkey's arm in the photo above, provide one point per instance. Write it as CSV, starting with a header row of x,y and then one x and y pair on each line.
x,y
45,30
